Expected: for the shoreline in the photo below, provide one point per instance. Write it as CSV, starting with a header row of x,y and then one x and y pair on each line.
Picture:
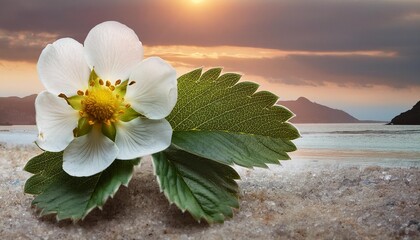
x,y
312,158
296,201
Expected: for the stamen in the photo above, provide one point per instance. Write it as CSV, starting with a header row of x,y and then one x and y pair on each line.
x,y
101,82
87,92
81,113
101,106
121,112
128,105
80,92
118,82
62,95
108,83
92,83
131,83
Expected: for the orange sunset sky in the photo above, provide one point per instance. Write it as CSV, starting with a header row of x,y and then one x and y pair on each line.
x,y
359,56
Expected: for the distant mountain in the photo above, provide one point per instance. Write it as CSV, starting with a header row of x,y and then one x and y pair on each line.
x,y
410,117
17,111
310,112
21,111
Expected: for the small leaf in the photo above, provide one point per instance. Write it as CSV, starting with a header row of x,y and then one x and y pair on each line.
x,y
73,197
242,149
201,186
75,102
121,89
129,114
93,78
110,131
83,127
215,111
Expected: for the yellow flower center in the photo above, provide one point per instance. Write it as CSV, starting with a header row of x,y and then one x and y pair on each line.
x,y
101,105
101,102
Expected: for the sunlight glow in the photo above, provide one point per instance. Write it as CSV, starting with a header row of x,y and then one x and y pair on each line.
x,y
217,52
197,1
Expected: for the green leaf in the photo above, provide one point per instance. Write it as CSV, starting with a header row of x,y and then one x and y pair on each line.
x,y
73,197
242,149
218,118
201,186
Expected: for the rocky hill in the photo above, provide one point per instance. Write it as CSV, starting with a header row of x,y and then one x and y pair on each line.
x,y
310,112
410,117
17,111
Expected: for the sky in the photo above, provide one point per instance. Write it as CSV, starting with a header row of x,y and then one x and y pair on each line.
x,y
359,56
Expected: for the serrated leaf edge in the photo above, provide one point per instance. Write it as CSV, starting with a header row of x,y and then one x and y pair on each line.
x,y
99,206
237,82
183,210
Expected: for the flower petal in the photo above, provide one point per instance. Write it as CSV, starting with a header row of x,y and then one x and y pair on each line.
x,y
89,154
62,67
113,49
141,137
55,120
155,92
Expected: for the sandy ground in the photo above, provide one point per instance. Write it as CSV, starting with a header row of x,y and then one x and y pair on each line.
x,y
297,201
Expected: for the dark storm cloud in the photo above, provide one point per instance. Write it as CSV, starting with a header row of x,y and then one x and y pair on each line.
x,y
324,25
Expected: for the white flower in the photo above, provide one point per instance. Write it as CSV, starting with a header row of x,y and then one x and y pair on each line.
x,y
116,111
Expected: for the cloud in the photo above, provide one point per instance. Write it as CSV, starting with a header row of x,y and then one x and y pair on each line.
x,y
396,72
23,45
324,25
358,68
216,52
299,42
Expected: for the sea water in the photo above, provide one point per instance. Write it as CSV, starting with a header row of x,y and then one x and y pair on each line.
x,y
360,144
396,145
18,135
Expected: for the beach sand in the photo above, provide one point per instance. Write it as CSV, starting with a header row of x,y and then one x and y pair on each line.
x,y
300,200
